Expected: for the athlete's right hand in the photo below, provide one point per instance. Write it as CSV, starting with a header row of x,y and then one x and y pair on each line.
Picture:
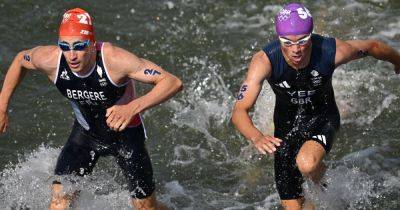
x,y
3,121
119,116
266,144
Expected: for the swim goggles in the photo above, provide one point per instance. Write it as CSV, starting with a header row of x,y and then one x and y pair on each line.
x,y
76,46
289,43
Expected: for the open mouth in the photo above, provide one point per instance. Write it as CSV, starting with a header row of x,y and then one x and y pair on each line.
x,y
74,65
296,58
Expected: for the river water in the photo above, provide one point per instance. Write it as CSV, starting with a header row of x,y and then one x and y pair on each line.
x,y
200,161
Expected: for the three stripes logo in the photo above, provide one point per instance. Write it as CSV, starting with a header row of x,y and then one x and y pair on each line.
x,y
283,84
321,138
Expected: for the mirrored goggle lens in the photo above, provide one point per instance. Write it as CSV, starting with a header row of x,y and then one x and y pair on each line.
x,y
288,43
303,41
78,46
63,46
299,42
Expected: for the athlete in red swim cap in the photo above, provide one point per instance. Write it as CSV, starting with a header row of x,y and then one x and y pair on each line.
x,y
77,24
97,78
298,66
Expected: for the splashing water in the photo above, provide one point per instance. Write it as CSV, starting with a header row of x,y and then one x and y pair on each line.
x,y
200,161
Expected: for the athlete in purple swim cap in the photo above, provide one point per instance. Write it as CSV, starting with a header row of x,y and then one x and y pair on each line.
x,y
299,66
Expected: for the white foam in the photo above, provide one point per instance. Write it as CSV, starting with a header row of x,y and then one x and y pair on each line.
x,y
186,155
27,184
355,181
354,104
175,191
353,5
393,29
342,183
269,202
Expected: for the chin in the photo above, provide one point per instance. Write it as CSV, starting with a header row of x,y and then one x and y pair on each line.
x,y
296,62
77,69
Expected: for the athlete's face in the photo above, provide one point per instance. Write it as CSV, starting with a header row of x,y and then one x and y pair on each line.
x,y
77,51
296,48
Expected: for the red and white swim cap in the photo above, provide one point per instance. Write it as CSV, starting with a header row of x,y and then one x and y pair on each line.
x,y
77,22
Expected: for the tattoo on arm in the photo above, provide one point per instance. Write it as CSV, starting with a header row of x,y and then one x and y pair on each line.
x,y
362,53
27,57
243,89
151,72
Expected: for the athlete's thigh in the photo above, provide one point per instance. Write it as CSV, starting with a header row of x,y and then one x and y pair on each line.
x,y
324,130
317,143
78,156
288,178
134,160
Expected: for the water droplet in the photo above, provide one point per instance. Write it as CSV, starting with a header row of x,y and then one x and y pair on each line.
x,y
92,154
170,4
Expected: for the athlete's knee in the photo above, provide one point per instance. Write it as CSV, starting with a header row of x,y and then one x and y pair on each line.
x,y
307,164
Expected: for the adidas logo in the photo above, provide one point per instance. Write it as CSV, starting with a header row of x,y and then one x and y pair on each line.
x,y
283,84
321,138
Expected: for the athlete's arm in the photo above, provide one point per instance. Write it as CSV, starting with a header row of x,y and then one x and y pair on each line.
x,y
259,69
126,65
25,60
354,49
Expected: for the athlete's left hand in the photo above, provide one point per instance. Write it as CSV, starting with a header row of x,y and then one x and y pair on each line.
x,y
120,115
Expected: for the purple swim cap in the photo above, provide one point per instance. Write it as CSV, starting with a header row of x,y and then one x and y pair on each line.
x,y
293,19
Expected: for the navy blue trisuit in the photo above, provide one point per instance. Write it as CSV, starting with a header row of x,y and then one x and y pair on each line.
x,y
305,109
91,138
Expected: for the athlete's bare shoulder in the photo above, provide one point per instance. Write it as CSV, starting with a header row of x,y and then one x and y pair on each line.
x,y
119,59
260,65
42,58
261,57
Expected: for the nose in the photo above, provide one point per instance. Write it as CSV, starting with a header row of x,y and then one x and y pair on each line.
x,y
72,55
295,48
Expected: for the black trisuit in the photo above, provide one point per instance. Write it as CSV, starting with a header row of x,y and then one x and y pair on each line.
x,y
90,96
305,109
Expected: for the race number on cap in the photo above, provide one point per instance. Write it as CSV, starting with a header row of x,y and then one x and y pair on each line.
x,y
77,22
294,19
